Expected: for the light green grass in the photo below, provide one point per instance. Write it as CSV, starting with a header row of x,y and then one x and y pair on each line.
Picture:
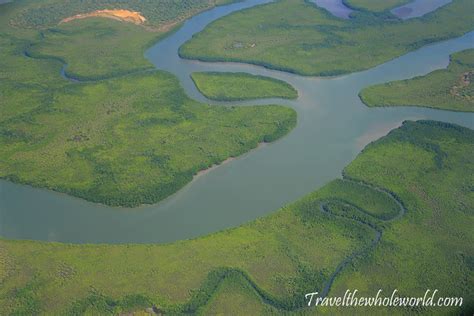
x,y
241,86
376,204
298,36
267,265
447,89
233,294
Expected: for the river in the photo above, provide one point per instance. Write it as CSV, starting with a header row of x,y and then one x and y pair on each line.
x,y
413,9
333,126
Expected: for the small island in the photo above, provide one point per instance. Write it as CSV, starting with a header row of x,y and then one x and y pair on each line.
x,y
229,86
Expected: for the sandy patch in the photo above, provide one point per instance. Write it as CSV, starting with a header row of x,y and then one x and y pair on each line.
x,y
120,15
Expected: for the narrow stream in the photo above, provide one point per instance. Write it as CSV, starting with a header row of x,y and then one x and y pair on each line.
x,y
333,126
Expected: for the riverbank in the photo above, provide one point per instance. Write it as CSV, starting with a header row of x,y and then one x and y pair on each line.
x,y
312,42
125,278
323,105
118,138
448,89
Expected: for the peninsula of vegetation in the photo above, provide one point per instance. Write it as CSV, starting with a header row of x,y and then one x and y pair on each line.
x,y
158,15
310,41
223,86
401,218
95,48
123,137
447,89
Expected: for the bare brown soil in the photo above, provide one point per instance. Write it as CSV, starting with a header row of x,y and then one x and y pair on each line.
x,y
120,15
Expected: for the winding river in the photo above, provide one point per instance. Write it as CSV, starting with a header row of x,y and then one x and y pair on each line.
x,y
333,127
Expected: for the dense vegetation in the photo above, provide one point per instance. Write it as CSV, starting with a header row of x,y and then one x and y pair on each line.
x,y
375,5
159,13
226,86
449,89
126,140
129,141
95,48
298,36
431,246
267,265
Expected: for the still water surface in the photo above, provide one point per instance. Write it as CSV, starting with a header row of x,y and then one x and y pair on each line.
x,y
418,8
333,126
413,9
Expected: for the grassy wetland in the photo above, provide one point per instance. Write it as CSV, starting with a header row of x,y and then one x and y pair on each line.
x,y
241,86
307,40
410,230
449,89
130,138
